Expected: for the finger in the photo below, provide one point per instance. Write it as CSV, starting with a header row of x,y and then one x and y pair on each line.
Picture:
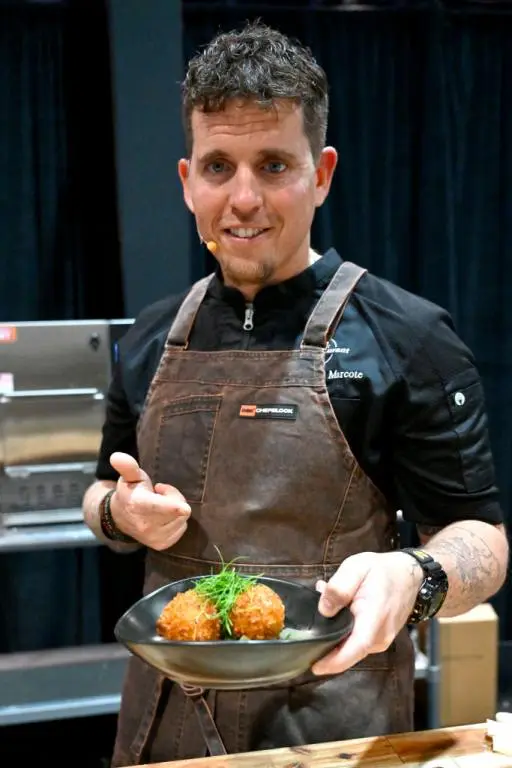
x,y
169,505
178,533
127,467
164,489
341,589
355,648
320,586
173,535
170,492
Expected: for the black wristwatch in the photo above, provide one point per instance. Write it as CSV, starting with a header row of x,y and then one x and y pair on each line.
x,y
433,590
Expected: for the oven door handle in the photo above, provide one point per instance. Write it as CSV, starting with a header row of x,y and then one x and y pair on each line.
x,y
92,392
21,471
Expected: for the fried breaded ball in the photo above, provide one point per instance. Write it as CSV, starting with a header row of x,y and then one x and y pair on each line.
x,y
258,614
189,616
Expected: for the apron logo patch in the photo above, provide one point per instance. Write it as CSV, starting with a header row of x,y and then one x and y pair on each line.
x,y
269,411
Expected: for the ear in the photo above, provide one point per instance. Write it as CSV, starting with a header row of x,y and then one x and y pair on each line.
x,y
183,173
324,172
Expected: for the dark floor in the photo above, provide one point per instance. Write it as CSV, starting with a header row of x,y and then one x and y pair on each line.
x,y
88,743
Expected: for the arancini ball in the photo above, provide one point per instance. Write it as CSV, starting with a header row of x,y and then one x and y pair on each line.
x,y
257,614
189,616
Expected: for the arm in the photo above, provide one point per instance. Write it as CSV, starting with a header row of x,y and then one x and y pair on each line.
x,y
474,555
118,435
139,352
154,516
444,470
91,505
381,589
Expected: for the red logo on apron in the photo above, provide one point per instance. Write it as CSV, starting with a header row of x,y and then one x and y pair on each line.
x,y
249,411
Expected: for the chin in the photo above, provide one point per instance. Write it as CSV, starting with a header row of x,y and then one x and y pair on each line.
x,y
242,270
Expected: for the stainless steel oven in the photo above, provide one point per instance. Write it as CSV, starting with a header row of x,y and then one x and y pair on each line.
x,y
54,378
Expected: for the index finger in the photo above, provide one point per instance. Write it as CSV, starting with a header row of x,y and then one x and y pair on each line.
x,y
127,467
354,649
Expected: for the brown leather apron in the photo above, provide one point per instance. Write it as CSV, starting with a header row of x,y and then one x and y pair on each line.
x,y
283,491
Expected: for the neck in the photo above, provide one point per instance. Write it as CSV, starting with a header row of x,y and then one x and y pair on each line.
x,y
313,256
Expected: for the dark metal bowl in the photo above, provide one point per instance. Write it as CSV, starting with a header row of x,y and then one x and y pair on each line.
x,y
234,664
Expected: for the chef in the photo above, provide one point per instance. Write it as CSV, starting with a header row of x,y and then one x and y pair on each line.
x,y
283,410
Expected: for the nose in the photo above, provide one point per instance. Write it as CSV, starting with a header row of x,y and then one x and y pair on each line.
x,y
245,195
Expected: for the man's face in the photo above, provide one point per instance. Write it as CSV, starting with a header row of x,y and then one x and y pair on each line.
x,y
253,186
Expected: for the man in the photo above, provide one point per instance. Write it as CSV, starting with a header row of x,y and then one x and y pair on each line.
x,y
373,404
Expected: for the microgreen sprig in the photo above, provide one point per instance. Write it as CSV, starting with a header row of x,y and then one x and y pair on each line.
x,y
223,588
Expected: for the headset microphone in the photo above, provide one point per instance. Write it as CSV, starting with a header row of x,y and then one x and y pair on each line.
x,y
212,246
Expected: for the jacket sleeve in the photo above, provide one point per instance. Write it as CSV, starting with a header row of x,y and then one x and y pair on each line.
x,y
119,428
442,463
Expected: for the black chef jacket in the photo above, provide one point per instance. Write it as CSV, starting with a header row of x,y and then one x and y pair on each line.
x,y
403,385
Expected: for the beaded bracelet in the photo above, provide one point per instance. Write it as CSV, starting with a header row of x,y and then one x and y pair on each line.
x,y
108,526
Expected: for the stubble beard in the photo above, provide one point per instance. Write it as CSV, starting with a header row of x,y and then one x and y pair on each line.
x,y
240,271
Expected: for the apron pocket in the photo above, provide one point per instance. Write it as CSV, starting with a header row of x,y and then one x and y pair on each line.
x,y
184,442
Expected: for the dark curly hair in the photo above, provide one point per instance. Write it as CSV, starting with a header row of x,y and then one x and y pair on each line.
x,y
257,63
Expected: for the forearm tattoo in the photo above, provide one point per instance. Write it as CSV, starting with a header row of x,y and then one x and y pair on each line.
x,y
474,571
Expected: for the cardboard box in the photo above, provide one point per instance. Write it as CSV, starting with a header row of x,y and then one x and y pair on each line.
x,y
468,658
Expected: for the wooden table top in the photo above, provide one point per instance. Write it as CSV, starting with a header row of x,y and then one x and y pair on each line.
x,y
461,747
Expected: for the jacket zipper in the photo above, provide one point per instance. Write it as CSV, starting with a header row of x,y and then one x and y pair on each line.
x,y
248,324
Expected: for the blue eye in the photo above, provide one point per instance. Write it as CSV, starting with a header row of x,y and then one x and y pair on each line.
x,y
216,167
275,167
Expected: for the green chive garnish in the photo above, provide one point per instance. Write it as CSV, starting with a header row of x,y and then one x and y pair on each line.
x,y
222,589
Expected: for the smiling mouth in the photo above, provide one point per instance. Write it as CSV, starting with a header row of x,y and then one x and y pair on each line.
x,y
246,233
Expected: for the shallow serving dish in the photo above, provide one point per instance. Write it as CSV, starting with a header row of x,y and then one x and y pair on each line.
x,y
234,664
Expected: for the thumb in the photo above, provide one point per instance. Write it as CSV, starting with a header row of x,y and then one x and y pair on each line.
x,y
164,489
341,588
129,469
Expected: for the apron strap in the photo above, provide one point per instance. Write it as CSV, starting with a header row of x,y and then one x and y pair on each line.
x,y
329,308
183,322
209,731
331,305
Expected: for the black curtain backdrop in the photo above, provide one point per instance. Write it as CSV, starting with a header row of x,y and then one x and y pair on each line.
x,y
421,116
58,223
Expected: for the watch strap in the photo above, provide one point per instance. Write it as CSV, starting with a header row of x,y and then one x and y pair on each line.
x,y
433,590
108,525
427,562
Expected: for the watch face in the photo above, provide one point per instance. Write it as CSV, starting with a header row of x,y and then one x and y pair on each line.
x,y
436,602
434,595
